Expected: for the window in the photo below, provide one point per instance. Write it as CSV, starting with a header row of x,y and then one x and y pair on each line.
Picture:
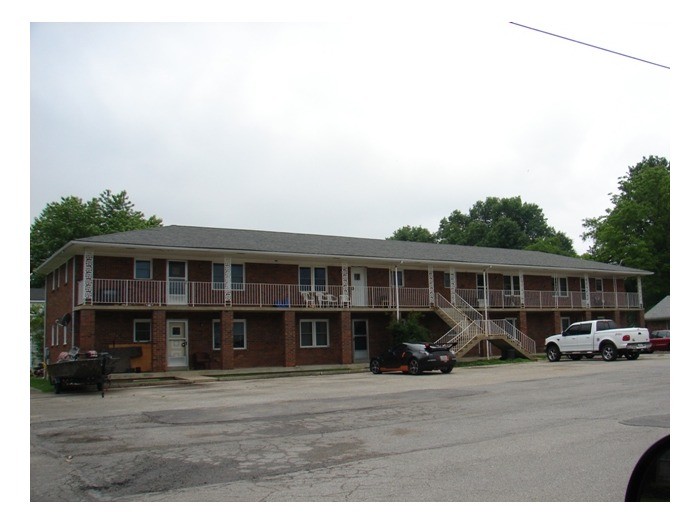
x,y
312,279
511,284
217,276
561,286
239,334
313,333
142,269
565,322
480,286
446,279
396,275
142,330
237,276
216,334
599,285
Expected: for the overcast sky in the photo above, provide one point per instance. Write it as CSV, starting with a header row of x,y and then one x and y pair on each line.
x,y
351,123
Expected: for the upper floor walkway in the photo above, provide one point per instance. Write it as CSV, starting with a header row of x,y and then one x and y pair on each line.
x,y
133,292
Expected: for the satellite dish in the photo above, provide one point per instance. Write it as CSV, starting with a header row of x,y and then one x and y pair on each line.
x,y
65,320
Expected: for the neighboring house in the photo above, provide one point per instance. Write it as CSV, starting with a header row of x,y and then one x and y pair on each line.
x,y
659,316
182,297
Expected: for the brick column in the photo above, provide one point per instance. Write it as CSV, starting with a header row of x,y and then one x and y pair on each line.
x,y
346,355
557,322
522,320
87,339
227,339
159,336
289,330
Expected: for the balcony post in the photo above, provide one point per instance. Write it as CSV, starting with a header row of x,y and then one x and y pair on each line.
x,y
431,287
639,293
88,266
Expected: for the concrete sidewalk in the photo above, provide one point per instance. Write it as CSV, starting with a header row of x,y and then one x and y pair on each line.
x,y
189,377
186,377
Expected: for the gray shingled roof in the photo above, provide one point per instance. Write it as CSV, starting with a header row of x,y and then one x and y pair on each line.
x,y
264,242
661,311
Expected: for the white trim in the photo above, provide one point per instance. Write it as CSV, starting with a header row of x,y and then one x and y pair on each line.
x,y
314,333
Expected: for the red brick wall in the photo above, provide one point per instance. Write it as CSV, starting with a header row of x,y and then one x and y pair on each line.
x,y
59,302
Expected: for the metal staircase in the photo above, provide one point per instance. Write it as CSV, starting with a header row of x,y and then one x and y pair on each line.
x,y
470,328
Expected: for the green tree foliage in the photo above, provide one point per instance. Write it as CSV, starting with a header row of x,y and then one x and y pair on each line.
x,y
408,330
495,222
412,233
36,330
635,232
71,218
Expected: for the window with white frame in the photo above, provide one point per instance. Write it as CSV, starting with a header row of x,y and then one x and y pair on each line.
x,y
313,333
312,278
142,269
142,330
396,276
511,284
216,334
446,279
237,276
480,286
240,338
565,322
561,286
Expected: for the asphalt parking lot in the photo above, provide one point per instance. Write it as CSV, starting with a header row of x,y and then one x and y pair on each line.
x,y
566,431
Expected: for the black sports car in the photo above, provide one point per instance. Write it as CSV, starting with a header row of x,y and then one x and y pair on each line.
x,y
414,358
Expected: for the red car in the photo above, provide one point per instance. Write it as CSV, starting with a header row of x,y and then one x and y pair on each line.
x,y
660,340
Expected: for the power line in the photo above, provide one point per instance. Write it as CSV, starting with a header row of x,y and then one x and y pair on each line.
x,y
590,45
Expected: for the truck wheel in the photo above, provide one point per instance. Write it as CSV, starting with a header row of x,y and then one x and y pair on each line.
x,y
632,355
57,387
553,353
608,351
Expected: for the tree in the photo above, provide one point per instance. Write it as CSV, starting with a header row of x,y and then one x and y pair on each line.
x,y
408,330
504,223
71,218
635,232
412,233
36,330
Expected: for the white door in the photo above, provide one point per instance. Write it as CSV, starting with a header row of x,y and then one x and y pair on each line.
x,y
177,344
177,282
360,340
358,277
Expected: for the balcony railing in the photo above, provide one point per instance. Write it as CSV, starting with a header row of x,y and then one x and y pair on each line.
x,y
130,292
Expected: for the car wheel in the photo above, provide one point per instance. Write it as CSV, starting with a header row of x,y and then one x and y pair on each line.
x,y
374,366
447,369
553,353
632,356
609,352
413,367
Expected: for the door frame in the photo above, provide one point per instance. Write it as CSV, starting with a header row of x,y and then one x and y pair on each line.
x,y
172,298
359,292
185,337
365,356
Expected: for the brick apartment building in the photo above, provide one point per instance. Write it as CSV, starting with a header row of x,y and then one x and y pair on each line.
x,y
181,297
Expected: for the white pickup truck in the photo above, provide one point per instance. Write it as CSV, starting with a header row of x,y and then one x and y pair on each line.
x,y
602,336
